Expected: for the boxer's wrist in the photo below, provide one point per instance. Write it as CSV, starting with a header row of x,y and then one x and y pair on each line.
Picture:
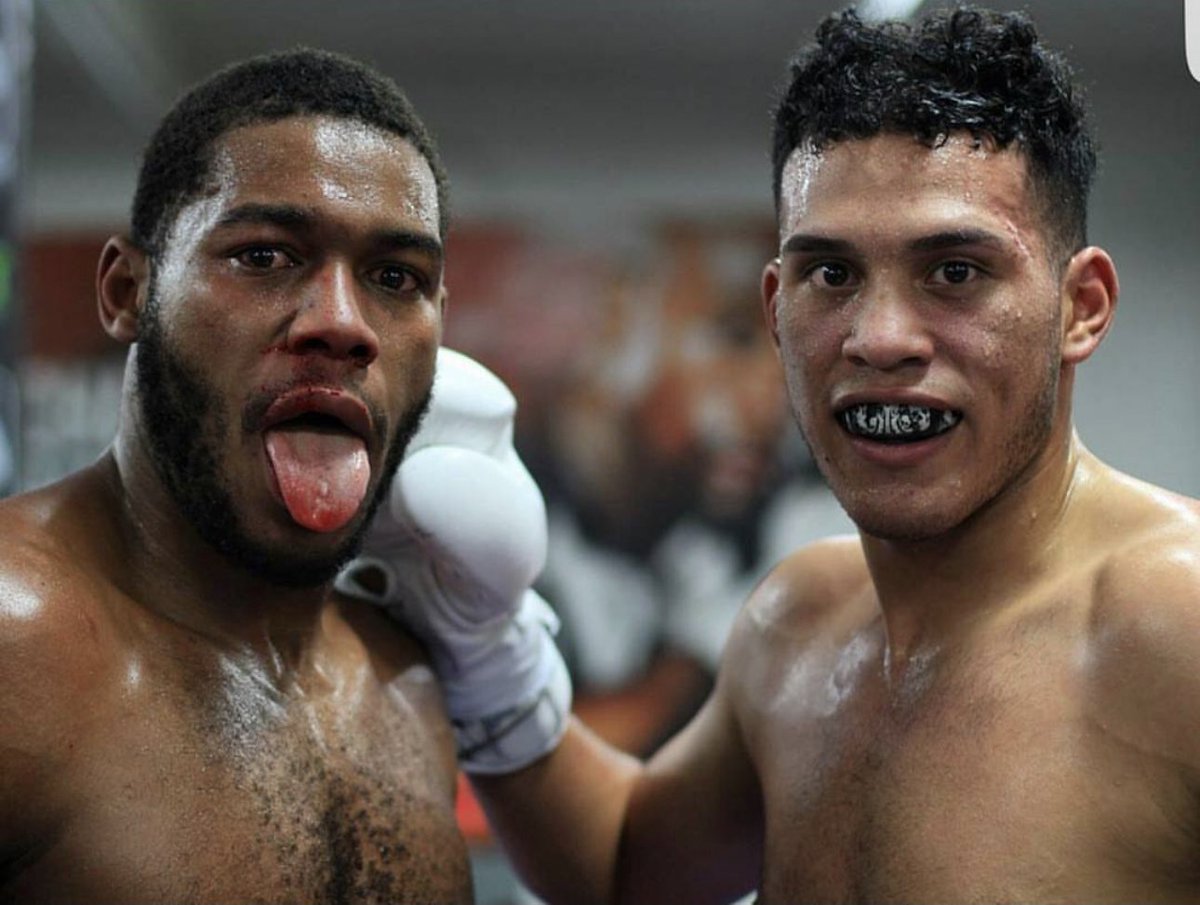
x,y
504,682
509,696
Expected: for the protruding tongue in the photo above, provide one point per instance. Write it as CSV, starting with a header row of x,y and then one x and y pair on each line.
x,y
322,475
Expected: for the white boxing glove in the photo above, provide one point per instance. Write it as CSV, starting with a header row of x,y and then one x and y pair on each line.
x,y
452,553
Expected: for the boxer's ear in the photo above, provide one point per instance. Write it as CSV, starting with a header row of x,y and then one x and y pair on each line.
x,y
122,282
770,292
1089,300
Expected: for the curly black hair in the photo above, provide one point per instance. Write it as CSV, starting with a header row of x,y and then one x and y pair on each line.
x,y
961,70
302,82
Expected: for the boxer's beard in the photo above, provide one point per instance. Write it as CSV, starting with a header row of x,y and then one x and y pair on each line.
x,y
184,426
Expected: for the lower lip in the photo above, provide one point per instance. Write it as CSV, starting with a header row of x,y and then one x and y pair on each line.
x,y
900,455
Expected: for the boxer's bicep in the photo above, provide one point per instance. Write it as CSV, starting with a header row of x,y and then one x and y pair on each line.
x,y
560,819
1173,656
696,825
1144,646
589,824
694,828
26,727
20,775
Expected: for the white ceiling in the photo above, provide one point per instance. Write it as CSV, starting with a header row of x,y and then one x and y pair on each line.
x,y
556,111
592,118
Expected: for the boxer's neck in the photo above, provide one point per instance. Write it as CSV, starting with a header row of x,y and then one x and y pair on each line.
x,y
170,570
931,589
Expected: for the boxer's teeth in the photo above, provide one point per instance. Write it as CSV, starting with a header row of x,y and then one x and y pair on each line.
x,y
891,423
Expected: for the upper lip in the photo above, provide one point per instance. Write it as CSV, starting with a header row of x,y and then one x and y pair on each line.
x,y
889,397
321,400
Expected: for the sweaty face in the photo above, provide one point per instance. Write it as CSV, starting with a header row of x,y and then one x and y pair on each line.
x,y
918,317
285,353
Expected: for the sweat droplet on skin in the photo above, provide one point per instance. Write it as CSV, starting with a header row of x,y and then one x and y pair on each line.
x,y
797,179
344,141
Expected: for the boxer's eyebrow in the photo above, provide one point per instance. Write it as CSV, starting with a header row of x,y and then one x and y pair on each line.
x,y
804,242
272,214
939,241
293,217
407,239
954,238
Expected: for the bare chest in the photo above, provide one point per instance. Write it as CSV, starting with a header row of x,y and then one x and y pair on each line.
x,y
252,799
995,782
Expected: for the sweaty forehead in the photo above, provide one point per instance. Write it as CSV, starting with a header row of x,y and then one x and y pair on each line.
x,y
324,161
891,179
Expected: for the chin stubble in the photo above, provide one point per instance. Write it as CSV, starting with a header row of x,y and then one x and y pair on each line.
x,y
183,428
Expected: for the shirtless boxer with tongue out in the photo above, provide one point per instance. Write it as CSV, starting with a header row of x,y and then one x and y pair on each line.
x,y
187,714
991,694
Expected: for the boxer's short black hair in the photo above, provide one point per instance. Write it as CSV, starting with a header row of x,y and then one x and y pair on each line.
x,y
961,70
303,82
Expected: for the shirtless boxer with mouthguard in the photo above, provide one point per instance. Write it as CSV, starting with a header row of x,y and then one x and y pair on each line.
x,y
990,694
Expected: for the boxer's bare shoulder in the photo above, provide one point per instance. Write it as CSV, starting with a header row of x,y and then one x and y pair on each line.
x,y
1144,632
57,556
1147,574
53,642
814,595
51,571
795,628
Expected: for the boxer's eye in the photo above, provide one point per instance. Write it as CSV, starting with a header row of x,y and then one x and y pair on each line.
x,y
830,275
955,273
397,278
263,257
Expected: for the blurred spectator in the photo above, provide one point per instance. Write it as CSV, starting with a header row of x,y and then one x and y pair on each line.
x,y
672,490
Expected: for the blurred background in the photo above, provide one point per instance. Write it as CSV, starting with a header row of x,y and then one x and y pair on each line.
x,y
610,191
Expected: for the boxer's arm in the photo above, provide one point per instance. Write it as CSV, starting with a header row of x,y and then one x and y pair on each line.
x,y
588,824
30,650
1144,647
694,828
16,766
560,819
451,554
